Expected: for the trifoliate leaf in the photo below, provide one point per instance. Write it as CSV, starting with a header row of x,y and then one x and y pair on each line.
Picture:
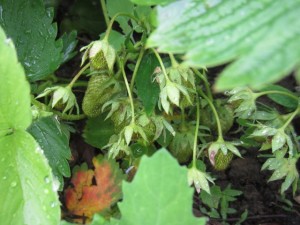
x,y
53,138
261,36
283,167
34,34
160,193
85,198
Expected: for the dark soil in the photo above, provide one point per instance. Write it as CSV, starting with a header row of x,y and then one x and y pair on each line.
x,y
260,198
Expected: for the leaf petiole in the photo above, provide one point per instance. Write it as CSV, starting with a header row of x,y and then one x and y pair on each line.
x,y
211,105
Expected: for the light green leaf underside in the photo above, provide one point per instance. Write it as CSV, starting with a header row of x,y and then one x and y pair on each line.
x,y
15,110
159,194
53,138
151,2
27,196
31,28
261,36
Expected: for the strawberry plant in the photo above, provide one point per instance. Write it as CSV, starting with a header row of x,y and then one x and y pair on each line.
x,y
119,117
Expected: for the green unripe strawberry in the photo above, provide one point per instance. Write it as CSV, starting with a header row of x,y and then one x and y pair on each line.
x,y
225,113
95,96
98,62
102,55
138,149
118,121
150,130
222,161
184,102
181,146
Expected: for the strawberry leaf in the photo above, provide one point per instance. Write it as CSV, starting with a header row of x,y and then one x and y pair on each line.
x,y
34,34
151,2
159,185
86,198
28,196
147,88
53,138
260,37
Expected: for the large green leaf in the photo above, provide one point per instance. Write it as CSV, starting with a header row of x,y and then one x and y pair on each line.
x,y
159,193
53,138
27,195
31,28
152,2
147,88
15,110
261,36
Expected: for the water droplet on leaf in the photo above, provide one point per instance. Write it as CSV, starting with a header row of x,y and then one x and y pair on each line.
x,y
13,184
47,180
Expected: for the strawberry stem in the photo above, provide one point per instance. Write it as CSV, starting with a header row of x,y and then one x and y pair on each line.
x,y
161,64
104,10
173,60
211,105
129,92
289,120
137,65
109,27
206,83
78,75
257,95
196,132
70,117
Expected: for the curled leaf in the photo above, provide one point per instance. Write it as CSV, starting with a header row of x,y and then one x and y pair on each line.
x,y
86,198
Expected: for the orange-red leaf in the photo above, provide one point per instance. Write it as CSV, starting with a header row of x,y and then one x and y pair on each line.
x,y
86,198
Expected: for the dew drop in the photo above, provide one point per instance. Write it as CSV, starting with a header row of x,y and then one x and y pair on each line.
x,y
47,180
4,178
13,184
38,150
8,41
210,42
52,204
46,191
55,184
